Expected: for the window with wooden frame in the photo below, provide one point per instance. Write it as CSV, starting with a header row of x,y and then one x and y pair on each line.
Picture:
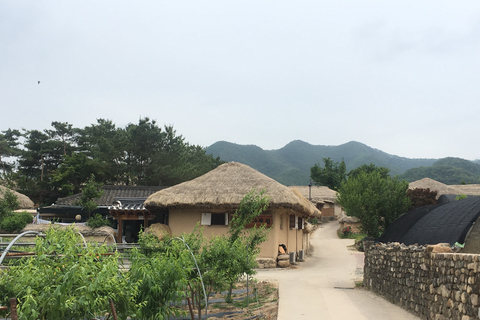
x,y
301,224
293,221
214,219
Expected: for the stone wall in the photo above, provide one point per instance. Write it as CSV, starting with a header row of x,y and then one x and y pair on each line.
x,y
431,285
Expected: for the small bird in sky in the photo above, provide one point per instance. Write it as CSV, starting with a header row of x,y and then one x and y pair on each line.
x,y
38,81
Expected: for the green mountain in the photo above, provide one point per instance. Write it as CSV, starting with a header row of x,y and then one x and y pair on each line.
x,y
291,164
448,171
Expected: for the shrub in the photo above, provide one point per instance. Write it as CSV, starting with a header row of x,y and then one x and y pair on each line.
x,y
346,231
15,221
8,202
98,221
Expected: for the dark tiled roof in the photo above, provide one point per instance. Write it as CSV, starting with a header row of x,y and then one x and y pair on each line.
x,y
447,223
404,223
112,192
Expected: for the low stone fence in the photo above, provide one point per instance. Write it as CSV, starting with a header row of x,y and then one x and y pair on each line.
x,y
429,284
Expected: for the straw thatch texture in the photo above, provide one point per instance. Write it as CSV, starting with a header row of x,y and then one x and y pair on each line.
x,y
84,230
23,201
469,189
318,194
434,186
159,230
225,187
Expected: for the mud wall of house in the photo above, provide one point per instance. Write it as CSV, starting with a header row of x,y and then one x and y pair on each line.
x,y
299,240
328,210
431,285
184,221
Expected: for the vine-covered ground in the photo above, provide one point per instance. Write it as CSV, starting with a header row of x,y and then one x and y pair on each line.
x,y
263,302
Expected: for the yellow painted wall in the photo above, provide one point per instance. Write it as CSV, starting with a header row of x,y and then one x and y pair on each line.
x,y
181,220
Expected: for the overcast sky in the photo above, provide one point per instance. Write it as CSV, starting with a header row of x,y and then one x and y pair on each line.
x,y
399,76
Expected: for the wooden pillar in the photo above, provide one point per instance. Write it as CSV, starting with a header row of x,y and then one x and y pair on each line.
x,y
120,229
145,220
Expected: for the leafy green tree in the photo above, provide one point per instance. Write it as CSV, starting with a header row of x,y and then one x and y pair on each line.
x,y
332,174
375,200
145,140
64,136
90,192
369,168
159,288
75,171
105,144
8,148
243,244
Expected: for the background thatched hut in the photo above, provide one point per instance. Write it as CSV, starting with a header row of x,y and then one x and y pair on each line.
x,y
23,201
212,198
101,235
323,198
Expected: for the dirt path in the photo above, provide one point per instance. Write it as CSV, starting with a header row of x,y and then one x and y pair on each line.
x,y
323,287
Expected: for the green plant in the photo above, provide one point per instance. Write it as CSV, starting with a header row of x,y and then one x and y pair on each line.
x,y
314,221
460,197
90,192
375,199
97,221
8,202
346,231
67,281
15,221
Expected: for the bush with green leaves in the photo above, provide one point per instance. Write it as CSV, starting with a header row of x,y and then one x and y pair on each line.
x,y
8,202
67,281
97,221
375,199
15,222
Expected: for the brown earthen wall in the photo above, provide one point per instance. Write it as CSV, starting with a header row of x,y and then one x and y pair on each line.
x,y
432,285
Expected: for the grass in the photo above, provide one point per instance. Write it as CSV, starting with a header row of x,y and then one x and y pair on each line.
x,y
351,235
260,294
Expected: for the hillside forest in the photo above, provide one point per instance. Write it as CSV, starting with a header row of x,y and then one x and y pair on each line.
x,y
58,161
291,164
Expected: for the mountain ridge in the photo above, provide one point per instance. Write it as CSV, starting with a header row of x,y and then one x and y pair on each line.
x,y
290,165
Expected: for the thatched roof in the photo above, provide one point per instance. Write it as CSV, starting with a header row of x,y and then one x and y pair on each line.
x,y
434,185
84,230
23,201
225,187
318,194
467,189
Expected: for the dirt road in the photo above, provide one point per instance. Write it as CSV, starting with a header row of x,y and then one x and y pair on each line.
x,y
323,287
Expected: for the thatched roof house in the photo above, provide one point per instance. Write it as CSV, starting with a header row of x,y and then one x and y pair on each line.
x,y
441,188
433,185
212,198
323,198
226,186
23,201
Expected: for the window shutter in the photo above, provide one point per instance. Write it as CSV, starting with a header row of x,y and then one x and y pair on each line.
x,y
301,224
292,221
226,219
206,219
296,222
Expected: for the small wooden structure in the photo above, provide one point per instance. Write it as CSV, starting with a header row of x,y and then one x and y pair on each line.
x,y
129,209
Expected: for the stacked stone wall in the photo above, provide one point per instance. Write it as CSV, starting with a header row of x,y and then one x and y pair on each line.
x,y
431,285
